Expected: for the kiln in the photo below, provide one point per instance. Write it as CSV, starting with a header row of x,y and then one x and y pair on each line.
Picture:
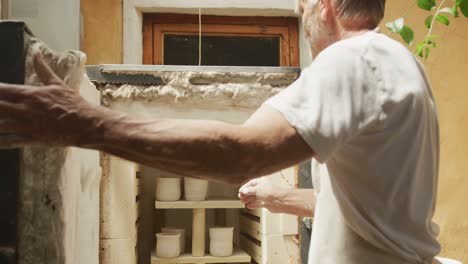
x,y
229,94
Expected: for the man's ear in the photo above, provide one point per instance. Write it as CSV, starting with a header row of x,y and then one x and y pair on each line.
x,y
325,7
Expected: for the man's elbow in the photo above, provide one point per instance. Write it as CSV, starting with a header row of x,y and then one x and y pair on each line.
x,y
238,176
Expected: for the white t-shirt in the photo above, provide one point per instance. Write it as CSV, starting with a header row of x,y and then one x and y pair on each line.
x,y
366,108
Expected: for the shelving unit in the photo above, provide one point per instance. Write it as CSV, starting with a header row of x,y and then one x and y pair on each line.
x,y
238,256
208,204
199,231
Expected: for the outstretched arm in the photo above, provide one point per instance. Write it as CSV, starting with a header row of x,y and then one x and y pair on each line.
x,y
56,115
210,149
261,193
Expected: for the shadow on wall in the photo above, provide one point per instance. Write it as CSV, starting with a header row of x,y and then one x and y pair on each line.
x,y
11,71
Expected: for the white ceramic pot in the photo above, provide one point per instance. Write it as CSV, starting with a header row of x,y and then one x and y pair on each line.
x,y
195,189
181,231
168,189
221,241
167,245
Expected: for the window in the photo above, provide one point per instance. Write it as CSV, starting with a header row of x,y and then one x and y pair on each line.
x,y
173,39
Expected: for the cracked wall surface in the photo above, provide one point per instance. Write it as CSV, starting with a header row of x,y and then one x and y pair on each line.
x,y
59,187
208,89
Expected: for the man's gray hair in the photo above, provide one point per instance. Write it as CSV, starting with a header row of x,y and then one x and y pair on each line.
x,y
349,9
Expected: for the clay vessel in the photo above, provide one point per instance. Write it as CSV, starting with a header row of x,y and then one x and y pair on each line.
x,y
181,231
195,189
167,245
168,189
221,241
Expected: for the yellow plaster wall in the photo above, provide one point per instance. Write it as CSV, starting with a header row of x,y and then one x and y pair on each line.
x,y
447,68
102,31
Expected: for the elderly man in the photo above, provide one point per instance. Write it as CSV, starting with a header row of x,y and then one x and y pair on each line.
x,y
363,109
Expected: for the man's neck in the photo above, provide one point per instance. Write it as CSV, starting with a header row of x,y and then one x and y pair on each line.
x,y
353,27
341,35
346,34
341,32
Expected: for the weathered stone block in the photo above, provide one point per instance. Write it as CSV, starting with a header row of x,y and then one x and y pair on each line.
x,y
118,204
117,251
59,187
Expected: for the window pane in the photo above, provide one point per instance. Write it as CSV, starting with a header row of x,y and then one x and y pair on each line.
x,y
222,50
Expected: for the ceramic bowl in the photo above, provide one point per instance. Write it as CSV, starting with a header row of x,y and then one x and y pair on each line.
x,y
195,189
168,189
167,245
221,241
173,230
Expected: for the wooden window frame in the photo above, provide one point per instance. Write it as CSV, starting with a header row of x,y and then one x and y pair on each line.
x,y
156,25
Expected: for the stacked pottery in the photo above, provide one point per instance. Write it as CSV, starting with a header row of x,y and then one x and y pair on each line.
x,y
168,189
167,245
221,241
195,189
181,231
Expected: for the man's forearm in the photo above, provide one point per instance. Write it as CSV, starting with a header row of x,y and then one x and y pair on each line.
x,y
299,202
206,149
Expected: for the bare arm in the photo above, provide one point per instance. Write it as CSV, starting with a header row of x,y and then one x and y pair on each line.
x,y
56,115
209,149
261,193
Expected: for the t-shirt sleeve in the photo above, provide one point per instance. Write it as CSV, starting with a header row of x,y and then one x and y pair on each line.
x,y
331,102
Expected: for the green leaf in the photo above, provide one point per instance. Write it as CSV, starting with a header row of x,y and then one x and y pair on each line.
x,y
443,19
432,37
428,21
407,34
396,26
450,10
426,4
420,48
432,43
463,6
428,51
439,18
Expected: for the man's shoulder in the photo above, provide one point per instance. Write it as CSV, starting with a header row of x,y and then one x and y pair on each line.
x,y
363,46
342,57
353,46
340,51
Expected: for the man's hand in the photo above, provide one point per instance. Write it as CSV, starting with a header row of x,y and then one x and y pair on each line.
x,y
262,193
53,114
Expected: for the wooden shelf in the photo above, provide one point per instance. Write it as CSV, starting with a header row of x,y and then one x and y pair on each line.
x,y
210,204
238,256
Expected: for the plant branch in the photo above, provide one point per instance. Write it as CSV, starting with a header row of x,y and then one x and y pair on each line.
x,y
409,8
429,33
